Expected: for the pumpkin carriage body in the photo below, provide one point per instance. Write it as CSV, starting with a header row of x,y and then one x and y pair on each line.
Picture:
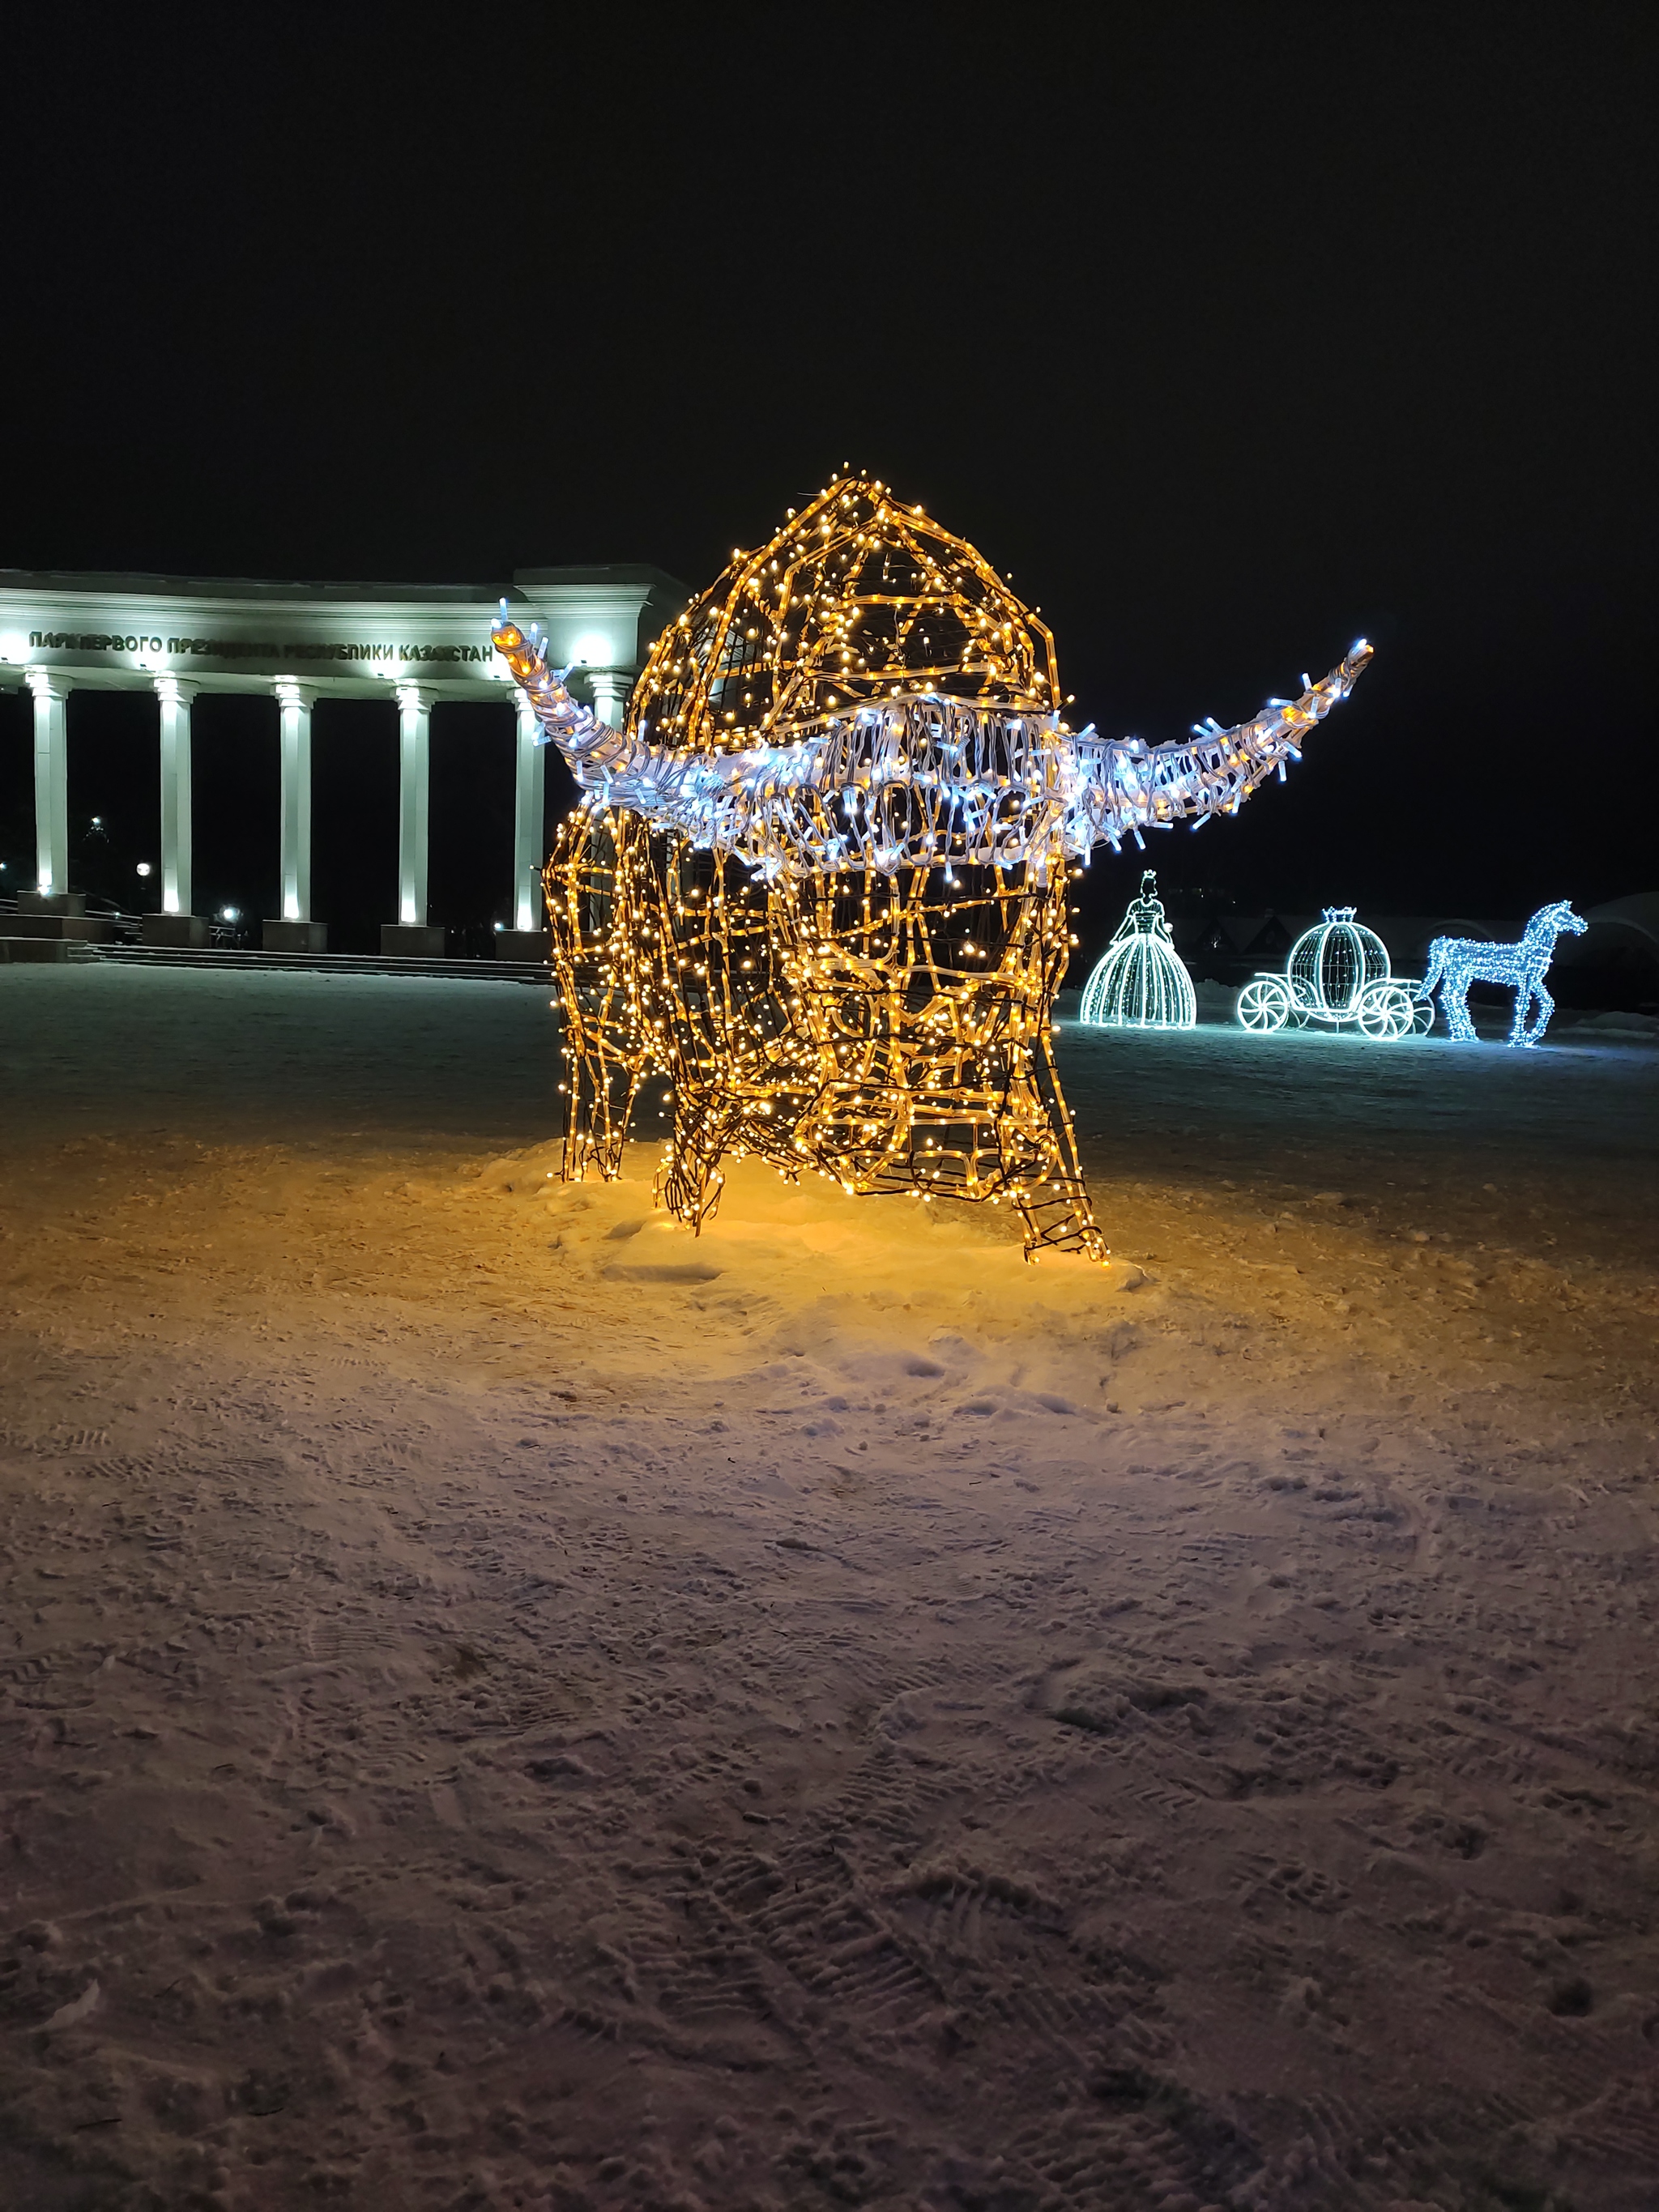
x,y
1337,977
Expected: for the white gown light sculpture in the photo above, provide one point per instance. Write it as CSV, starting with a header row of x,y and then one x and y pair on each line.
x,y
1337,975
1455,963
1141,982
819,879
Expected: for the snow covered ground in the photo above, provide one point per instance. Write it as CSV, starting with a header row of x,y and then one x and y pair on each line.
x,y
503,1704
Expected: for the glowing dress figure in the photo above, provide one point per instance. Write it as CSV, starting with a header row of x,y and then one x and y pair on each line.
x,y
819,878
1142,982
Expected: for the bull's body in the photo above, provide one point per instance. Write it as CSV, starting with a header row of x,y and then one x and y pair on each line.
x,y
820,879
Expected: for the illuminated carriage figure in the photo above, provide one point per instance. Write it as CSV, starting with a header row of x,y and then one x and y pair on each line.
x,y
1337,977
819,879
1141,982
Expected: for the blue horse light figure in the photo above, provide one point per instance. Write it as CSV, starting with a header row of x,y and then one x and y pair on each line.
x,y
1455,963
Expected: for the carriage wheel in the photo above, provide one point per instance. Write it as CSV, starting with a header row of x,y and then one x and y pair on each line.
x,y
1422,1016
1264,1004
1387,1011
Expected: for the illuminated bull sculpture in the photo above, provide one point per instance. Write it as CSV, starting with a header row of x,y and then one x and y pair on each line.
x,y
819,879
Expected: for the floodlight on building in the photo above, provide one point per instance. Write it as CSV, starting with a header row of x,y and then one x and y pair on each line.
x,y
144,868
230,914
593,650
14,647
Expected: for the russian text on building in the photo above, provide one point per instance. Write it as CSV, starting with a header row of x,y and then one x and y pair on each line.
x,y
413,645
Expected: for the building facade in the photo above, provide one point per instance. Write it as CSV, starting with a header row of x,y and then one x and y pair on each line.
x,y
177,637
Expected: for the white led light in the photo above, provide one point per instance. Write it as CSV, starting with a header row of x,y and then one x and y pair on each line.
x,y
1455,963
1142,982
1337,977
939,775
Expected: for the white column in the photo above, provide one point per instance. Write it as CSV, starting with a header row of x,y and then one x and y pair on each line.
x,y
414,787
294,701
50,781
612,688
529,790
175,698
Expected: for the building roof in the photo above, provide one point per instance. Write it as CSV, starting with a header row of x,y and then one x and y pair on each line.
x,y
142,584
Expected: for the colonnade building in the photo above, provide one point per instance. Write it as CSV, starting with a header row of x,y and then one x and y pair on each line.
x,y
411,646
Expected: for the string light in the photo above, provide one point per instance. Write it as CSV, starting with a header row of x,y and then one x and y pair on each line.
x,y
1337,975
819,878
1455,963
1141,982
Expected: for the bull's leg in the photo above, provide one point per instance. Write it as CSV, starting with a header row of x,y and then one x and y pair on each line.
x,y
599,1106
691,1181
1054,1203
591,888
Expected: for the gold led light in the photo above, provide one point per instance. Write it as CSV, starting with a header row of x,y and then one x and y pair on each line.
x,y
819,879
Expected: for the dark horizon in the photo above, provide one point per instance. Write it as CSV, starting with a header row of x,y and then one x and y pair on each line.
x,y
1230,335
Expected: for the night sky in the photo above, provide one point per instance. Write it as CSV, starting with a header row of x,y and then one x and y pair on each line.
x,y
1233,333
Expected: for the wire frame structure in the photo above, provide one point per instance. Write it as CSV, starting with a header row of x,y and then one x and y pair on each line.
x,y
819,879
1337,975
1332,965
890,1031
1141,982
1455,963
